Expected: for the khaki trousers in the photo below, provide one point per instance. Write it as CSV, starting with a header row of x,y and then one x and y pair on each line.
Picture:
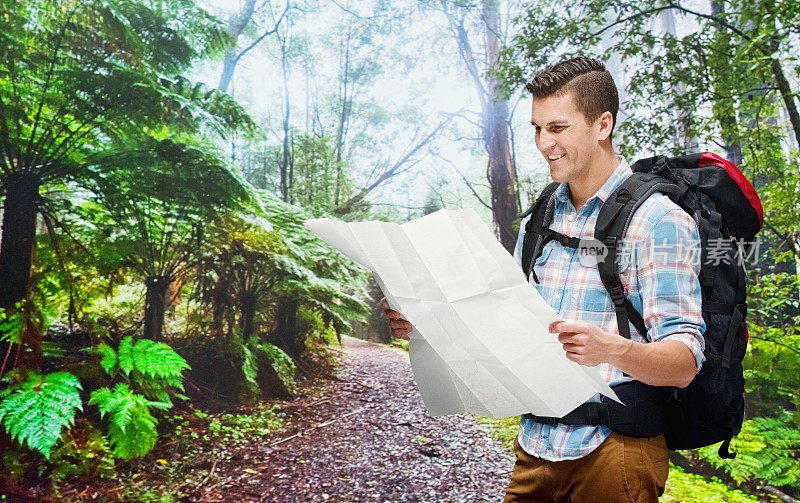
x,y
622,469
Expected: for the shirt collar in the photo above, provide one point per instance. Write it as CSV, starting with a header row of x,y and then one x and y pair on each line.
x,y
620,173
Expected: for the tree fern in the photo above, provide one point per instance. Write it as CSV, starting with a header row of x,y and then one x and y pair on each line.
x,y
35,411
132,429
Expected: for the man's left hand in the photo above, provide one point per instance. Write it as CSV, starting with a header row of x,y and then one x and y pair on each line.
x,y
588,344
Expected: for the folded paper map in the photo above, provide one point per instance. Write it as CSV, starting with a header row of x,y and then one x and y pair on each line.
x,y
480,342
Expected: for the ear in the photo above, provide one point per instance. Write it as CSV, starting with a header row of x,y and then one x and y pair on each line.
x,y
606,122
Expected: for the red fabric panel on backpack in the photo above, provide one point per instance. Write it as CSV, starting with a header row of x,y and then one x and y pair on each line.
x,y
749,192
746,335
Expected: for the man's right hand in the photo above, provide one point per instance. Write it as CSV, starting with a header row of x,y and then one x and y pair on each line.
x,y
400,327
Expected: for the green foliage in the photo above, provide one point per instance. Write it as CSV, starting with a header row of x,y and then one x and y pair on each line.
x,y
320,182
117,313
151,199
132,428
505,430
767,449
232,429
35,411
315,273
153,367
684,487
87,454
279,361
772,381
10,325
255,354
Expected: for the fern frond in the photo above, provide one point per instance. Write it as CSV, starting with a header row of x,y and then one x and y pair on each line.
x,y
108,358
132,429
125,355
35,411
157,359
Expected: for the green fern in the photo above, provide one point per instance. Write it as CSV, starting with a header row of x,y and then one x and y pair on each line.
x,y
249,367
158,360
108,357
132,429
767,448
125,355
280,362
35,411
153,367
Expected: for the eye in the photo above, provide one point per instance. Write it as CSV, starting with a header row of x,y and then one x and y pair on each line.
x,y
558,129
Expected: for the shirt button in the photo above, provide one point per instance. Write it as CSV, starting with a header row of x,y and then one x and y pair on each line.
x,y
566,255
557,295
571,218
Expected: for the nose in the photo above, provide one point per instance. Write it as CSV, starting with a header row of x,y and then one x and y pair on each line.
x,y
544,141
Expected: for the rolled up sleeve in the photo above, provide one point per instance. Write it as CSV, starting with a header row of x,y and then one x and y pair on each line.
x,y
668,268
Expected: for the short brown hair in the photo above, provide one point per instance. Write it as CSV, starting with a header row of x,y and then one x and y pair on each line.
x,y
594,88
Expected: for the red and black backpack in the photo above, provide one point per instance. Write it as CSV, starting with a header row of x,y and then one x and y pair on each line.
x,y
729,214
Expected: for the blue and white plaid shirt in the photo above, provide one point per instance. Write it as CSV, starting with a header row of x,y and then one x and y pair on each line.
x,y
659,274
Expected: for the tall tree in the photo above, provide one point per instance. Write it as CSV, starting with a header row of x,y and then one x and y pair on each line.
x,y
236,27
495,119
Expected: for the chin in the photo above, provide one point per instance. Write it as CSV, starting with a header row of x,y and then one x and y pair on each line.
x,y
558,177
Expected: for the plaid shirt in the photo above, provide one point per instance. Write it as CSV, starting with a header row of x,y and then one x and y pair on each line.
x,y
659,277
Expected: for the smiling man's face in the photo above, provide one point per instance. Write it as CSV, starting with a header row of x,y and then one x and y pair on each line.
x,y
567,141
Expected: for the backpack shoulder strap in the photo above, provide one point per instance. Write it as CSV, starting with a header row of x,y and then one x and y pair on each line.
x,y
612,222
541,216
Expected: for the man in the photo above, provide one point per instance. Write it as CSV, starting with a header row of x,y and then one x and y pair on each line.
x,y
574,109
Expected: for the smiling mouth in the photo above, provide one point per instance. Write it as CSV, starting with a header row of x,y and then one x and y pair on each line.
x,y
555,157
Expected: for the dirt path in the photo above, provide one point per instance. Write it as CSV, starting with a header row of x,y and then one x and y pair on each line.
x,y
381,445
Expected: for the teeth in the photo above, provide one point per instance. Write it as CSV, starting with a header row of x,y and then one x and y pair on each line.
x,y
555,157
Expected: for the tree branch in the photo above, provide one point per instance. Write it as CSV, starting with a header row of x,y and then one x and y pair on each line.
x,y
263,35
469,185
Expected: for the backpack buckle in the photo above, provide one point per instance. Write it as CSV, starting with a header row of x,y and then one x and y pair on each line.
x,y
617,295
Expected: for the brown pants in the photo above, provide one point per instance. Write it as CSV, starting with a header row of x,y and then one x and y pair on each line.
x,y
622,469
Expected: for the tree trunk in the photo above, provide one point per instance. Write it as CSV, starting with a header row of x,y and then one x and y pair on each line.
x,y
18,236
30,347
287,171
683,116
235,28
785,89
154,306
500,169
287,327
218,304
727,116
248,307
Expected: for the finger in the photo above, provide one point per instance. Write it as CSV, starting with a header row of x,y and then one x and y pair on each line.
x,y
572,348
568,326
569,337
384,303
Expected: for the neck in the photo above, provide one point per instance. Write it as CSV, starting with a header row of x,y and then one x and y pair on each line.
x,y
600,169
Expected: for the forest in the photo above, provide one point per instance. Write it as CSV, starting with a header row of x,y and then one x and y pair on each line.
x,y
169,329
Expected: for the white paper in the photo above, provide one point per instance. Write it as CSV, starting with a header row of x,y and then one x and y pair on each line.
x,y
480,342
